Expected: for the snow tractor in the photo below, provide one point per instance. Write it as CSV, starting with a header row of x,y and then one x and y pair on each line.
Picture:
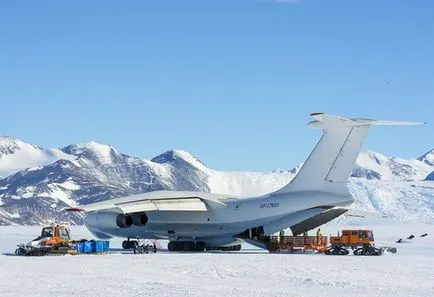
x,y
53,240
360,241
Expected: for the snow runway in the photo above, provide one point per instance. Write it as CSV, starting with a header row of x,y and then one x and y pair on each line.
x,y
251,272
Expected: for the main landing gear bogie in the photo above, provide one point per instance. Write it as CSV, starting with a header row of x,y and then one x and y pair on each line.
x,y
231,248
186,246
129,244
190,246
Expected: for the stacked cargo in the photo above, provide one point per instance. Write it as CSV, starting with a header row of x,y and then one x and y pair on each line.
x,y
92,246
293,244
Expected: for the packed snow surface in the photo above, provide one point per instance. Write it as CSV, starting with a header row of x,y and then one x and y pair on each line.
x,y
250,272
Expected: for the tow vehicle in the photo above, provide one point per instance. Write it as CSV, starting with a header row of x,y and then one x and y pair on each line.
x,y
56,239
361,241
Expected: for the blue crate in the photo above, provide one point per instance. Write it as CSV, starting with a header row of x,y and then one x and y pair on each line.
x,y
79,247
92,246
87,247
106,246
98,246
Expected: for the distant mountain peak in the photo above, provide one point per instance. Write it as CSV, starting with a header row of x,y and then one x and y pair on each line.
x,y
91,145
428,158
6,138
9,145
172,156
373,165
16,155
375,156
101,153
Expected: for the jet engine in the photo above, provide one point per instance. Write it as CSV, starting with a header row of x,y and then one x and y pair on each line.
x,y
139,219
124,220
106,220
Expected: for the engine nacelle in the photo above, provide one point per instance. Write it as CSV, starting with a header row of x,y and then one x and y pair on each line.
x,y
139,219
106,220
124,220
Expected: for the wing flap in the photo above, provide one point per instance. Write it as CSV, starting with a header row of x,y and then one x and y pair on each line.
x,y
179,204
189,204
137,206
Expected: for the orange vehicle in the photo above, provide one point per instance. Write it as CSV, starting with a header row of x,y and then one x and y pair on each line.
x,y
56,238
361,241
53,240
53,235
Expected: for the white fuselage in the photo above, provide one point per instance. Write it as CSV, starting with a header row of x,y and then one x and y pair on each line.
x,y
273,212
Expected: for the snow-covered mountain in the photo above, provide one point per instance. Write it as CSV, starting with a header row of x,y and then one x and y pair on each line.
x,y
43,181
372,165
428,158
16,155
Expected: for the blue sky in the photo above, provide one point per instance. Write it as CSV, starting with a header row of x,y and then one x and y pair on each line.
x,y
232,82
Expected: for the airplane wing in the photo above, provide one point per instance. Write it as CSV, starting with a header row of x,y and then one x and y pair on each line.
x,y
157,201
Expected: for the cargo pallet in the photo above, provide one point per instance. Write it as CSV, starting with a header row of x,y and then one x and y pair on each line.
x,y
292,244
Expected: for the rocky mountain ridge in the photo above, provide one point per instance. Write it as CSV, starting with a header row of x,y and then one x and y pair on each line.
x,y
51,179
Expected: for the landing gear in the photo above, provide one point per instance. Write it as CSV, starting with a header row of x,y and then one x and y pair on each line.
x,y
129,244
186,246
145,249
337,251
225,248
367,251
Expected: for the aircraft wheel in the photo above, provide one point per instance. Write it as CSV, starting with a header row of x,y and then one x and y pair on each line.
x,y
129,244
186,246
173,246
237,247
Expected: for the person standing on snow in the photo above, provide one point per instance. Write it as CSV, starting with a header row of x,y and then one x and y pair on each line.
x,y
281,235
305,234
318,237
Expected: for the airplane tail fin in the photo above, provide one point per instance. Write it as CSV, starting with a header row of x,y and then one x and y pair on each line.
x,y
330,163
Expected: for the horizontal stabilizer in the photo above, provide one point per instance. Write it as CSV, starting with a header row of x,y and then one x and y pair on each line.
x,y
327,121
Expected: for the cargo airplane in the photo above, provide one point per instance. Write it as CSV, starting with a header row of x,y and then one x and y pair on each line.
x,y
195,221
